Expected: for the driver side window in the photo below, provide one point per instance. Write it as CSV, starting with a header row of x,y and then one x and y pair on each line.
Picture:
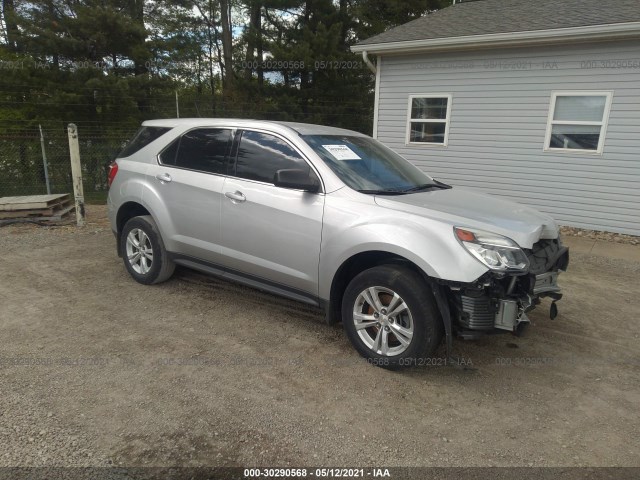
x,y
261,155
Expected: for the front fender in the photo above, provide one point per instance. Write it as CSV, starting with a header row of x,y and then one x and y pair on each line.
x,y
428,244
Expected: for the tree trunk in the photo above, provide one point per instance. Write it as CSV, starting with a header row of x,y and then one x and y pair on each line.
x,y
254,40
140,61
199,75
211,44
259,46
251,44
137,14
11,22
304,75
227,47
344,18
56,56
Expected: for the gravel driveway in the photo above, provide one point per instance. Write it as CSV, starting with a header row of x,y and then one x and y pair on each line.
x,y
96,369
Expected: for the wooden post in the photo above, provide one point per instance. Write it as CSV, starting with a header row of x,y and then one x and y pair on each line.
x,y
76,173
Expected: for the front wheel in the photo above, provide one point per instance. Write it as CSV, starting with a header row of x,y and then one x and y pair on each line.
x,y
390,316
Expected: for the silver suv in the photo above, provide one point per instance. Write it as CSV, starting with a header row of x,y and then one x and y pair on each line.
x,y
332,218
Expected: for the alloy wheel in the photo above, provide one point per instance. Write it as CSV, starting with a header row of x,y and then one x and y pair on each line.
x,y
383,321
139,251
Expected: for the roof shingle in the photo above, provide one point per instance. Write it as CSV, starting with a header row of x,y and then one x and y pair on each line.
x,y
505,16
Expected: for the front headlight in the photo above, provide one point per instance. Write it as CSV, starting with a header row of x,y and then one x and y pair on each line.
x,y
500,254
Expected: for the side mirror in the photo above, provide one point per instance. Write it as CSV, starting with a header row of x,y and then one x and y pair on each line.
x,y
297,180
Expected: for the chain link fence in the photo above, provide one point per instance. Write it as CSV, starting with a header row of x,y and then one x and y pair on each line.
x,y
22,165
23,150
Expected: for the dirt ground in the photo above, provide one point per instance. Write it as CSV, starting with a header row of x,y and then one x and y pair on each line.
x,y
96,369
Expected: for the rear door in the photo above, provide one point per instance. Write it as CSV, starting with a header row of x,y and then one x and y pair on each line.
x,y
270,232
189,176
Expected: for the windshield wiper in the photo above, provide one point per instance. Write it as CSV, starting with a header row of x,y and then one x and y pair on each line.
x,y
404,191
427,186
389,191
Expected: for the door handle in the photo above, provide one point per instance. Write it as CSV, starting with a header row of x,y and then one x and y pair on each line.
x,y
235,196
164,177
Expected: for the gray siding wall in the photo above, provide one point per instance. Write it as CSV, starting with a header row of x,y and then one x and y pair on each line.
x,y
499,115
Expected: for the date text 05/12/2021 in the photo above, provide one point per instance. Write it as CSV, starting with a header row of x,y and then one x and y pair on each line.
x,y
316,473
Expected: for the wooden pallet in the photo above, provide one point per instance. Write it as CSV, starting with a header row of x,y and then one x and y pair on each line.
x,y
40,212
36,207
32,202
56,217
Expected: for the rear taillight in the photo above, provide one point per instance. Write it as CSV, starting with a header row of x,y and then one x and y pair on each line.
x,y
113,169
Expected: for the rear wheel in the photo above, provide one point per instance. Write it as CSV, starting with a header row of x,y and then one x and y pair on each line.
x,y
144,254
390,316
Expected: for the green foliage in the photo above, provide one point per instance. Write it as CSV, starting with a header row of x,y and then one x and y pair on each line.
x,y
107,65
115,63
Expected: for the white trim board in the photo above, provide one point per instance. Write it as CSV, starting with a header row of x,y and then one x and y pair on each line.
x,y
591,33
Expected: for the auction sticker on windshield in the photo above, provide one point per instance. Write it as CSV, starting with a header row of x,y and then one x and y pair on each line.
x,y
341,152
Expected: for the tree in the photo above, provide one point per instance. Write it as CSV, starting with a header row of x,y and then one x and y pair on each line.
x,y
254,39
219,20
90,57
371,17
121,61
11,32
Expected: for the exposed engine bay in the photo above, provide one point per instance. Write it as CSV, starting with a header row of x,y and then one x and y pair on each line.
x,y
500,301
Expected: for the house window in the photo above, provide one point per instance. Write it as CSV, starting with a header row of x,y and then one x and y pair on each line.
x,y
578,121
428,119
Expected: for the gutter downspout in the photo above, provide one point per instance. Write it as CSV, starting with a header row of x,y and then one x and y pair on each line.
x,y
371,66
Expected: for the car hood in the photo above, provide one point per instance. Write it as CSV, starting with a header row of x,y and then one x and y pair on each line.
x,y
466,208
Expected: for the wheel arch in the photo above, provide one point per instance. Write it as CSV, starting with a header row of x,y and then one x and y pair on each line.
x,y
126,212
356,264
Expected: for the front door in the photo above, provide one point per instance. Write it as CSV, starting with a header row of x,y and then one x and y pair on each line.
x,y
270,232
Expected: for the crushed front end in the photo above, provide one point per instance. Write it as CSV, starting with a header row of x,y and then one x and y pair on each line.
x,y
499,300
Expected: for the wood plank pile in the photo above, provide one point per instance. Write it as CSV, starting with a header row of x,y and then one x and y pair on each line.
x,y
37,207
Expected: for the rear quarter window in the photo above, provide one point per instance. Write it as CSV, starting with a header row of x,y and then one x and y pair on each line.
x,y
142,138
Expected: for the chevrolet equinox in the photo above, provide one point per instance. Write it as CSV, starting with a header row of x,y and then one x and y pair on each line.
x,y
335,219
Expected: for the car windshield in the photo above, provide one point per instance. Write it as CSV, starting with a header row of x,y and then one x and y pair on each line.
x,y
366,165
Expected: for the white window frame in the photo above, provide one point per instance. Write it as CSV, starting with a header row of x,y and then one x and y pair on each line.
x,y
602,124
446,121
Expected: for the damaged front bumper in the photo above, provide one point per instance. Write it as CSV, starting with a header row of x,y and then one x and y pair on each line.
x,y
500,302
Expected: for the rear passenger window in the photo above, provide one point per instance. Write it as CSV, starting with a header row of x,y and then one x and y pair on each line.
x,y
260,155
203,149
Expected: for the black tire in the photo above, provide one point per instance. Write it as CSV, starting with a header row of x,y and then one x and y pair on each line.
x,y
423,316
161,267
